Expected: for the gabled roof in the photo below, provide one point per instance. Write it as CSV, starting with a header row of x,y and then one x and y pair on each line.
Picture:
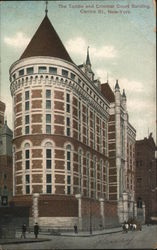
x,y
107,92
46,42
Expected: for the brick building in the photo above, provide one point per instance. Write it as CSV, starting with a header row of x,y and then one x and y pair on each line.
x,y
146,178
6,166
70,139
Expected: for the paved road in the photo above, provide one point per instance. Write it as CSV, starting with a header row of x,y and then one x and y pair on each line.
x,y
145,239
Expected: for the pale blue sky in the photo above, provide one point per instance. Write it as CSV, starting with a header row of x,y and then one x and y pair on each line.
x,y
121,44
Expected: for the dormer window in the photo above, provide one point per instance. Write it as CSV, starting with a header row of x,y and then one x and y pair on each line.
x,y
42,69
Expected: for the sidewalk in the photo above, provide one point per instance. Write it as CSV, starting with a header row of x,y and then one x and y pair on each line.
x,y
94,233
21,241
48,236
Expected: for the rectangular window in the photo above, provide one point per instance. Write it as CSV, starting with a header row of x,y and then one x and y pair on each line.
x,y
64,73
48,158
68,131
27,189
27,154
27,179
27,95
68,190
42,69
68,179
72,76
68,165
67,97
48,93
21,72
30,70
48,153
48,189
48,178
27,105
68,121
68,155
27,130
48,118
48,164
68,108
48,129
27,164
27,119
48,104
52,70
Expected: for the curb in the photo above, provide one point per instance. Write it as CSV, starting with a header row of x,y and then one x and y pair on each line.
x,y
90,235
22,242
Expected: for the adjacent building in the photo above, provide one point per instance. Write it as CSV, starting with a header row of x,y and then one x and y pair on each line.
x,y
71,139
146,178
6,166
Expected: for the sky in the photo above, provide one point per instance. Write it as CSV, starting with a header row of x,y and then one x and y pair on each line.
x,y
121,39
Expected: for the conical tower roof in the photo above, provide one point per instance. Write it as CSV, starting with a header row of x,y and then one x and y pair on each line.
x,y
46,42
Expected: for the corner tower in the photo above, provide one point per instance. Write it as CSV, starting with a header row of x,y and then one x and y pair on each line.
x,y
60,134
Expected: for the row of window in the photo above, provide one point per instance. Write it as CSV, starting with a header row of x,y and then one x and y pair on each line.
x,y
42,70
48,184
68,122
53,70
48,158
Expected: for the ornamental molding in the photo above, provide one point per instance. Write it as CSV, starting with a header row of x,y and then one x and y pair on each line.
x,y
51,80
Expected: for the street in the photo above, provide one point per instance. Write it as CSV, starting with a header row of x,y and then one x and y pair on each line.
x,y
145,239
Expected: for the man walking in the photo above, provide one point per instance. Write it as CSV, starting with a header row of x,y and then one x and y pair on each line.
x,y
24,228
36,230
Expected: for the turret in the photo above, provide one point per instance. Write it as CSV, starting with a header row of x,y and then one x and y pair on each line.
x,y
124,100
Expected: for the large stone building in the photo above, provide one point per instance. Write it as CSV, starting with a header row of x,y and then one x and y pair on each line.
x,y
72,139
6,166
146,178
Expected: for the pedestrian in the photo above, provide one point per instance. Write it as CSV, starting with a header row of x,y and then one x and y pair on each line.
x,y
75,229
36,230
24,229
134,227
